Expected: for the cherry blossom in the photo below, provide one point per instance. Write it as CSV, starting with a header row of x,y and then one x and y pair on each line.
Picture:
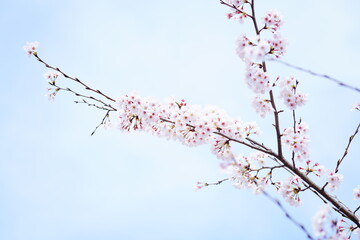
x,y
236,3
252,50
356,192
31,48
237,15
272,20
297,140
290,190
257,80
316,168
262,105
292,98
277,45
334,180
319,220
52,93
51,76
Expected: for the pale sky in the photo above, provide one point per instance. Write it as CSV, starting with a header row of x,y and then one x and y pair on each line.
x,y
58,182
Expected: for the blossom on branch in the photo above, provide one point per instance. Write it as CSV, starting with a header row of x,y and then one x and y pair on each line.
x,y
262,106
334,180
290,190
297,140
192,125
31,48
292,98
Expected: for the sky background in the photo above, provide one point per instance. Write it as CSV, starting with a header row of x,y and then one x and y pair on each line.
x,y
58,182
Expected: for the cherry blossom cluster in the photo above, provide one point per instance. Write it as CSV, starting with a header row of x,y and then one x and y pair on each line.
x,y
290,190
289,93
262,105
257,80
192,125
31,48
51,94
252,51
51,78
297,140
327,227
244,171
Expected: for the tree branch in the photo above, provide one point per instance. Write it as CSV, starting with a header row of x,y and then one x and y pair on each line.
x,y
340,83
74,79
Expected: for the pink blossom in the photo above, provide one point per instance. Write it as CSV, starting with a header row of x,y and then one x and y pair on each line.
x,y
356,192
31,48
262,106
289,93
237,15
334,180
277,45
192,125
272,19
297,140
290,190
319,220
51,76
315,168
235,3
252,50
257,80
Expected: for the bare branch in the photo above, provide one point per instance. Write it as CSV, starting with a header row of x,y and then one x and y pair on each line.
x,y
102,122
93,105
81,95
74,79
278,203
346,149
340,83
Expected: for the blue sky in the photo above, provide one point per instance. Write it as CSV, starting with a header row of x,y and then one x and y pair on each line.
x,y
58,182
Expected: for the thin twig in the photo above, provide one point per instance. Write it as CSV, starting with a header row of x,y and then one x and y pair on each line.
x,y
102,122
246,144
93,105
81,95
340,83
293,152
278,203
74,79
357,209
346,149
217,183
